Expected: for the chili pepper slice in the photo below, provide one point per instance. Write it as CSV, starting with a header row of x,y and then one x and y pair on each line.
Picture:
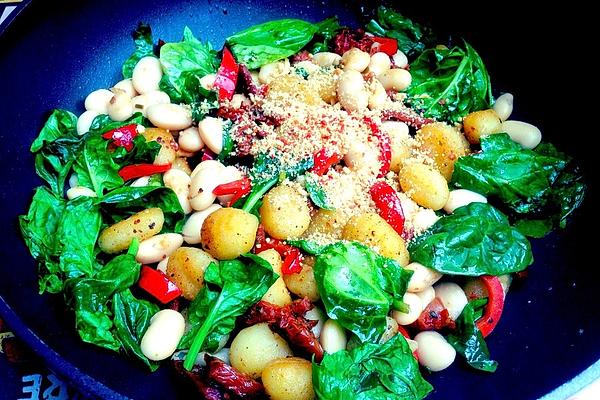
x,y
323,160
123,136
227,75
158,285
384,44
138,170
388,205
238,189
385,147
292,263
494,307
292,257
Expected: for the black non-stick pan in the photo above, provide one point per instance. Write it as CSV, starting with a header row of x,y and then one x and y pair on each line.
x,y
56,52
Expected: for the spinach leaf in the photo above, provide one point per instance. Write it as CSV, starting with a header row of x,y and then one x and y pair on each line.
x,y
39,228
89,297
95,167
468,341
447,84
271,41
102,123
142,37
316,192
56,148
231,287
476,239
412,38
132,319
307,246
359,287
371,372
184,63
228,144
267,166
540,188
326,30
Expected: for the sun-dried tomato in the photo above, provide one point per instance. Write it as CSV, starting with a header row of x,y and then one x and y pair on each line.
x,y
349,38
304,55
231,379
246,85
434,318
414,120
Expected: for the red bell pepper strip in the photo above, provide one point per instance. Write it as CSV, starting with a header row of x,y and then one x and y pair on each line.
x,y
385,147
158,285
292,257
292,263
494,307
238,189
388,205
387,45
227,75
138,170
323,160
123,136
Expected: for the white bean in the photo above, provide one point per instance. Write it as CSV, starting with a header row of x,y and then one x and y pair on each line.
x,y
170,116
415,308
180,182
162,265
189,140
333,337
143,101
356,59
192,229
308,66
239,100
80,191
202,186
98,101
423,219
504,106
380,62
435,353
158,247
326,59
85,121
73,180
163,335
228,174
400,59
208,81
422,277
378,95
397,128
215,164
147,74
391,329
316,314
462,197
452,297
141,182
351,91
126,85
359,155
395,79
270,71
211,133
527,135
120,107
426,296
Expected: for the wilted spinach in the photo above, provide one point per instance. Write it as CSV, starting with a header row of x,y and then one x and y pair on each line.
x,y
447,84
359,287
144,46
539,188
326,30
316,192
371,372
476,239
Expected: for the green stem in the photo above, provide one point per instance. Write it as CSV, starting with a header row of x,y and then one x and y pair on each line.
x,y
201,335
261,191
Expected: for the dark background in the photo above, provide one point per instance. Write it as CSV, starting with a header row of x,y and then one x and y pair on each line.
x,y
57,52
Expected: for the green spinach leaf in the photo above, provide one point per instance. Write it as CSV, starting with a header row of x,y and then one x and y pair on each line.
x,y
448,84
60,124
316,192
95,167
468,341
231,287
359,287
476,239
538,188
271,41
326,30
144,46
371,372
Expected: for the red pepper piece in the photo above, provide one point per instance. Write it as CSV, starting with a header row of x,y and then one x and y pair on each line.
x,y
292,263
323,160
385,147
227,75
384,44
238,189
123,136
292,257
494,307
208,155
388,205
158,285
434,318
138,170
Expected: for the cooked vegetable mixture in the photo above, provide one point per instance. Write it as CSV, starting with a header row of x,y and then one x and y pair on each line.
x,y
315,211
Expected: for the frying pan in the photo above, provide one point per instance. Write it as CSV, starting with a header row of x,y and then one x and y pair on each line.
x,y
57,52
